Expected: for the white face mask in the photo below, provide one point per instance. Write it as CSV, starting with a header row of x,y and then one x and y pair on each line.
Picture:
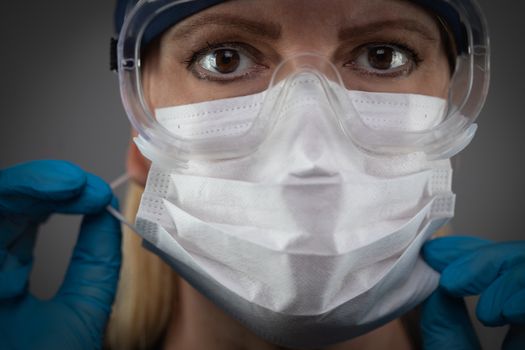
x,y
308,241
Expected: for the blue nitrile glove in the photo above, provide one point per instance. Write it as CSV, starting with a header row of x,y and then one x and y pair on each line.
x,y
75,318
472,266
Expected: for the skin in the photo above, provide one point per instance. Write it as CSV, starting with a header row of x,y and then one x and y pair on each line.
x,y
342,29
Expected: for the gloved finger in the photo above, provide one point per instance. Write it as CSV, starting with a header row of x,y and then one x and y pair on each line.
x,y
20,247
15,267
92,276
492,301
440,252
40,188
14,279
515,338
95,196
445,323
23,185
514,308
474,272
91,197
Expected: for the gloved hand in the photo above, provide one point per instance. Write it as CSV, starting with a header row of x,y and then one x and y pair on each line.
x,y
75,318
472,266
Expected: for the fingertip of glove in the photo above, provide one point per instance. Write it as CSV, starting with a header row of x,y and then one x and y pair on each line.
x,y
99,189
104,218
489,315
452,281
44,179
115,202
100,235
514,308
433,252
96,196
503,301
440,252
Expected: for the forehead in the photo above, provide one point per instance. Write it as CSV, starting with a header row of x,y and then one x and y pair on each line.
x,y
328,12
353,9
314,18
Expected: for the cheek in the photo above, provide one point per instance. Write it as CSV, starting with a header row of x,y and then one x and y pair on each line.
x,y
436,79
432,79
137,166
160,91
164,83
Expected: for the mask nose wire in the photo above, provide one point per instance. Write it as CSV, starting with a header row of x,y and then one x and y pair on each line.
x,y
124,178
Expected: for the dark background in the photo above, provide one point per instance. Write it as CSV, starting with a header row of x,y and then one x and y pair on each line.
x,y
59,100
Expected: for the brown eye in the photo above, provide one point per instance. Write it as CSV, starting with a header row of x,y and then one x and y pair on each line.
x,y
226,61
384,59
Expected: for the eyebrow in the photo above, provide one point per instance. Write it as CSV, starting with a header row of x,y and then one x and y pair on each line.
x,y
381,26
273,30
267,29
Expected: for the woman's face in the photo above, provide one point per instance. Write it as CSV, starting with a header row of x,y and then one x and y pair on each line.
x,y
233,49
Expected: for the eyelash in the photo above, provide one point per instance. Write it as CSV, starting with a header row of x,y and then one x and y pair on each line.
x,y
412,55
196,55
210,47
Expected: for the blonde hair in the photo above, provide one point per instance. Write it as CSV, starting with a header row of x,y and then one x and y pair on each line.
x,y
146,291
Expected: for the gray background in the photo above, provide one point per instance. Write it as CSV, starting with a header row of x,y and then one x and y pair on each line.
x,y
60,101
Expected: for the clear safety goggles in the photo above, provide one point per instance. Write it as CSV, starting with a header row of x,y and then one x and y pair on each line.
x,y
176,53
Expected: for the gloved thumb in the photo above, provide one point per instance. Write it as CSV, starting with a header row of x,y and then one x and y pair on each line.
x,y
445,323
91,280
441,252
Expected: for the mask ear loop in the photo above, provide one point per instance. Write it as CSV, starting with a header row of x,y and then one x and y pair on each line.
x,y
124,178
